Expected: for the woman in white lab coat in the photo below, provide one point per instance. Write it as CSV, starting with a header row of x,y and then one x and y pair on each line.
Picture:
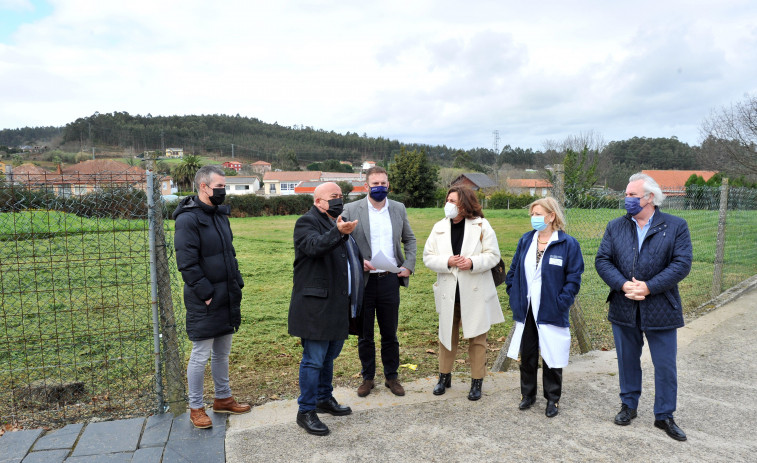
x,y
543,281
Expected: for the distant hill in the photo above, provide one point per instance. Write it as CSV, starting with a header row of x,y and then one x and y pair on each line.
x,y
29,136
214,135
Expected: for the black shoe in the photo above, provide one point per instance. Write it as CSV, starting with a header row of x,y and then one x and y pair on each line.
x,y
332,406
475,389
526,403
445,381
311,423
551,410
625,415
671,428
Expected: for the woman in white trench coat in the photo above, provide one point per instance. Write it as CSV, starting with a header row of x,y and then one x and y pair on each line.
x,y
543,281
462,249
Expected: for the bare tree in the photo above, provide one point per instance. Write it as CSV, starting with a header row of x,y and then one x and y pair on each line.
x,y
592,140
735,123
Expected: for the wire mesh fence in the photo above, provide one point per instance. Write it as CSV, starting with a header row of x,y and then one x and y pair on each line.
x,y
92,320
700,207
77,334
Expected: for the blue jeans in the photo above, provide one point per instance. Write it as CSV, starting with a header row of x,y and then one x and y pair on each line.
x,y
663,346
317,372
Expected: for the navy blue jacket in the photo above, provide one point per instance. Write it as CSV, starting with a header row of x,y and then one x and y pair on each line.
x,y
208,265
560,283
664,260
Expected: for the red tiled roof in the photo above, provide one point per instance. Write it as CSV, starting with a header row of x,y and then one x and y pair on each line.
x,y
85,173
96,166
309,187
261,163
29,173
292,176
528,183
676,179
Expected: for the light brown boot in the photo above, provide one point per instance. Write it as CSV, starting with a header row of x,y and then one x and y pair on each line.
x,y
199,418
229,405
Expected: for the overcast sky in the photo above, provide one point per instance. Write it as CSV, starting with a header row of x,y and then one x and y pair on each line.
x,y
436,72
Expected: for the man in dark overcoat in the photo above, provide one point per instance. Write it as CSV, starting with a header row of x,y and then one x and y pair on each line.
x,y
327,292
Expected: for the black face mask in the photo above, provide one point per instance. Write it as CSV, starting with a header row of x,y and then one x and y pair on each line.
x,y
335,207
219,194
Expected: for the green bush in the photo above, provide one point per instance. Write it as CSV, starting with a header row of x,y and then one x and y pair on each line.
x,y
505,200
593,202
121,203
256,206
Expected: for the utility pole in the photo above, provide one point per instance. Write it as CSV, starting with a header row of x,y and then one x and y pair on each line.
x,y
93,153
232,151
495,147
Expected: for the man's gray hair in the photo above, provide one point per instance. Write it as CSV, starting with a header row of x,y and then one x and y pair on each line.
x,y
650,186
205,173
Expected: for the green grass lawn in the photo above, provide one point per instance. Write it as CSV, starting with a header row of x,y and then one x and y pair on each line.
x,y
76,298
265,358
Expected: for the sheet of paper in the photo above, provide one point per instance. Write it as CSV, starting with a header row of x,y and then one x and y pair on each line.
x,y
381,262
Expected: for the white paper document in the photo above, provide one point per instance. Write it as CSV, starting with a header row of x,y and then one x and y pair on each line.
x,y
381,262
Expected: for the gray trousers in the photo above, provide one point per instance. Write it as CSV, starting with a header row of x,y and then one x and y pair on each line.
x,y
217,350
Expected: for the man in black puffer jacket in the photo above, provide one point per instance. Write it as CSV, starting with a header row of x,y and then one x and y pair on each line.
x,y
642,258
212,290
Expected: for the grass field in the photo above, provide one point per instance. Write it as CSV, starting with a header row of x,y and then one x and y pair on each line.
x,y
265,358
75,298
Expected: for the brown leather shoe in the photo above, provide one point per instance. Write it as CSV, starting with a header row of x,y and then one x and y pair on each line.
x,y
229,405
199,418
395,386
365,388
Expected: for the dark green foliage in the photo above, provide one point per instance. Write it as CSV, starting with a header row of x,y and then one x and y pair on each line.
x,y
706,195
463,160
414,176
580,176
286,159
330,165
7,149
184,173
589,201
27,135
256,206
346,187
518,157
116,203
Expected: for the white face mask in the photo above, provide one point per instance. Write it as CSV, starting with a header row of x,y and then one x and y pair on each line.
x,y
450,210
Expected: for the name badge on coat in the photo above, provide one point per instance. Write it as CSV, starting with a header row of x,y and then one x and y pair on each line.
x,y
555,260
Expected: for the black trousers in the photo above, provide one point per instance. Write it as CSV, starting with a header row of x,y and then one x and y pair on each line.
x,y
529,364
381,302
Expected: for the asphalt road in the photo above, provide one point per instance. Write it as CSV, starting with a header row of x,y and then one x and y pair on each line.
x,y
716,408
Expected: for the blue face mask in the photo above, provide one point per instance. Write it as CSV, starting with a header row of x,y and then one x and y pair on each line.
x,y
633,205
378,193
537,221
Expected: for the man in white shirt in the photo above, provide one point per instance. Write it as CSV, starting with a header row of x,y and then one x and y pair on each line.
x,y
382,229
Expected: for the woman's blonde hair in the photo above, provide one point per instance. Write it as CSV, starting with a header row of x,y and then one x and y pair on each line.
x,y
550,205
